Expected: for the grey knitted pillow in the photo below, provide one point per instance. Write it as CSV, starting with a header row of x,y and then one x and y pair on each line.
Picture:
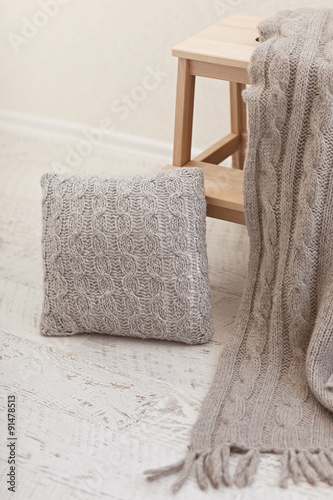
x,y
126,255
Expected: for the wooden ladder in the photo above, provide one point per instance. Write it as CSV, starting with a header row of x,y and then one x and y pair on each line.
x,y
221,51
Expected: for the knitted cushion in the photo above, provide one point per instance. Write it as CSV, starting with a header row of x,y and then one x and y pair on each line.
x,y
126,255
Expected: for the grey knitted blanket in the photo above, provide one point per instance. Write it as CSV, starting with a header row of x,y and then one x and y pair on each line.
x,y
273,389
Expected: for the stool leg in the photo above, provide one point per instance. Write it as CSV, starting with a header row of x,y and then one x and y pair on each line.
x,y
238,122
184,114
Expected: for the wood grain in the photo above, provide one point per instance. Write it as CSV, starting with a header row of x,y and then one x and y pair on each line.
x,y
238,122
184,114
220,150
229,42
219,71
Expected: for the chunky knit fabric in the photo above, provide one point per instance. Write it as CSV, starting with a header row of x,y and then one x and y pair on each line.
x,y
126,255
273,389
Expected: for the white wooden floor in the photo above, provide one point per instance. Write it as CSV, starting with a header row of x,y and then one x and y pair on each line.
x,y
95,411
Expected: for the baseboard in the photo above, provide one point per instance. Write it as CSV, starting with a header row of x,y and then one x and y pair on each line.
x,y
71,133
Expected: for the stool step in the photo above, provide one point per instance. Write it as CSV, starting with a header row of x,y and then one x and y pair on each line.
x,y
224,190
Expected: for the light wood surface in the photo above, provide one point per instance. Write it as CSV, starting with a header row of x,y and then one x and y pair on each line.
x,y
220,150
184,114
223,189
229,42
225,214
219,71
238,122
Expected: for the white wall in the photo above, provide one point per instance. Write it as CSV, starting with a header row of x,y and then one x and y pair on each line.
x,y
91,54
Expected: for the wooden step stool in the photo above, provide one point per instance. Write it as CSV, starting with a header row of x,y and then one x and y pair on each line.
x,y
221,51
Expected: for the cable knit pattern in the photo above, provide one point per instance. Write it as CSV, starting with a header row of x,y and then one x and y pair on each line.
x,y
152,246
178,230
76,248
124,255
273,388
104,300
201,276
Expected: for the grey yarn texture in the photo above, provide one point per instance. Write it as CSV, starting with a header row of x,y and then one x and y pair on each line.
x,y
126,255
273,388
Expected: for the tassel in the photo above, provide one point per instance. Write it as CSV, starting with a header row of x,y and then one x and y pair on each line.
x,y
316,464
294,466
253,466
325,470
183,467
201,472
225,457
284,474
153,474
306,467
213,464
184,472
246,468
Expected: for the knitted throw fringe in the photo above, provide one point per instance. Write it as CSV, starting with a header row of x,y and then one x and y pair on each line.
x,y
213,467
273,387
